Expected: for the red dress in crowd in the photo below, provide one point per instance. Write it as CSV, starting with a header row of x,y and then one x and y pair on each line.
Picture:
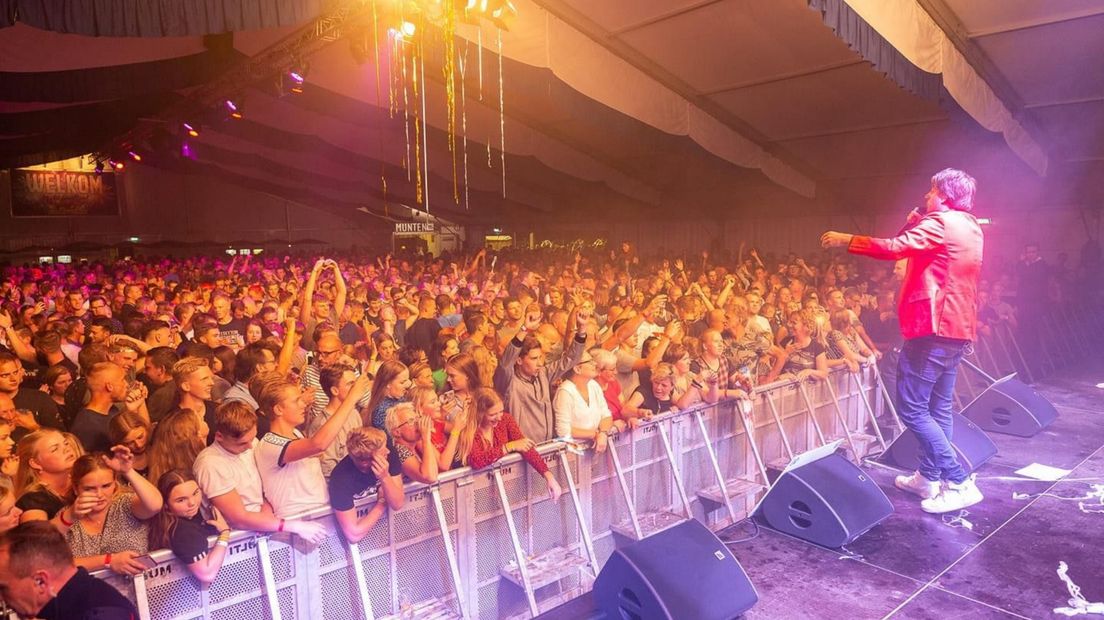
x,y
438,438
507,430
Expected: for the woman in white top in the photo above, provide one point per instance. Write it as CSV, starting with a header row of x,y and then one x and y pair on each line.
x,y
292,480
580,406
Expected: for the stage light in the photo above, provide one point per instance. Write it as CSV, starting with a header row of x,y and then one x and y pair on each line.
x,y
186,150
134,156
295,77
191,130
133,239
230,105
1100,385
118,165
99,167
408,29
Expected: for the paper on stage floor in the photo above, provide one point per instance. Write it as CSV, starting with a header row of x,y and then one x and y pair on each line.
x,y
1039,471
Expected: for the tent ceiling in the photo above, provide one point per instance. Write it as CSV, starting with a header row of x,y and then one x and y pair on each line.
x,y
1052,54
769,69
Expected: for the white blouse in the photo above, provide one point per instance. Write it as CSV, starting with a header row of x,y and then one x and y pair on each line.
x,y
574,412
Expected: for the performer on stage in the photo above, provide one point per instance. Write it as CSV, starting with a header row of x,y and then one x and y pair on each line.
x,y
937,311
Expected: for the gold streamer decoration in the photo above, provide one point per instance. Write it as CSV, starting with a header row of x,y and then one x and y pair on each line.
x,y
464,120
444,16
501,113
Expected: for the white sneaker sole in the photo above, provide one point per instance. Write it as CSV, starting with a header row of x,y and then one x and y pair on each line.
x,y
946,510
913,490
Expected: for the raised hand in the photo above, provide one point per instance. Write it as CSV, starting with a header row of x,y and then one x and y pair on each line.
x,y
425,427
532,320
121,459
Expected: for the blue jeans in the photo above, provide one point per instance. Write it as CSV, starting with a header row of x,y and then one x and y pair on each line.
x,y
926,371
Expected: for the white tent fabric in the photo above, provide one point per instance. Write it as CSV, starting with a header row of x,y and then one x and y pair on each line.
x,y
906,26
540,39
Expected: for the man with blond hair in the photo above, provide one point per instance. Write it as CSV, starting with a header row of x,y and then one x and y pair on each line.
x,y
107,385
372,463
227,473
194,384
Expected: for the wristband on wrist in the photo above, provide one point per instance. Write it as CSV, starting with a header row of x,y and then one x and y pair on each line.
x,y
281,528
107,561
222,543
64,521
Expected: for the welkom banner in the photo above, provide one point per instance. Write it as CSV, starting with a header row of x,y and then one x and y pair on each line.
x,y
62,193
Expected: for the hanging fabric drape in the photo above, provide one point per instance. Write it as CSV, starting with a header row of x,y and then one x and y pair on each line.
x,y
906,26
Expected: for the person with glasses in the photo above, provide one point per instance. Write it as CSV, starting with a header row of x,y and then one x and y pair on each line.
x,y
329,352
580,406
412,435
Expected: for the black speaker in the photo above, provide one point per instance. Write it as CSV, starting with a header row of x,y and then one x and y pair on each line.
x,y
971,445
684,571
1011,407
830,502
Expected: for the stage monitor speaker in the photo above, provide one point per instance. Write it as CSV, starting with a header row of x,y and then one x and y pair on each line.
x,y
682,572
1011,407
830,502
971,445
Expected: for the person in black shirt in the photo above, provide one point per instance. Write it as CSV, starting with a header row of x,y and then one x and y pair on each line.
x,y
372,461
38,579
424,330
43,480
108,386
183,527
12,385
231,330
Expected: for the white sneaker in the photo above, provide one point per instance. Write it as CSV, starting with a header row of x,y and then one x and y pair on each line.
x,y
917,485
954,497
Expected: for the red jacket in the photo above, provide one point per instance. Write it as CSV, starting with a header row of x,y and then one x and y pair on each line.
x,y
939,294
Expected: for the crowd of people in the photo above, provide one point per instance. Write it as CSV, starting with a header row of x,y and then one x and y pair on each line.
x,y
151,404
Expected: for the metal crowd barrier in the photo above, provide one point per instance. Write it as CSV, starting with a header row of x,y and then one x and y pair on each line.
x,y
1063,337
490,543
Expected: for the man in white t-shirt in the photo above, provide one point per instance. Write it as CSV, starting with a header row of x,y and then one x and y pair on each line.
x,y
227,473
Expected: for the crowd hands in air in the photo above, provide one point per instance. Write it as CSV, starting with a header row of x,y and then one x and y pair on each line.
x,y
152,404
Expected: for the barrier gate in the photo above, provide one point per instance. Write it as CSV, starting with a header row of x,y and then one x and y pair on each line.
x,y
490,543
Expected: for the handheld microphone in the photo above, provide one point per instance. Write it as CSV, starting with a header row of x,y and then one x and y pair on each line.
x,y
911,219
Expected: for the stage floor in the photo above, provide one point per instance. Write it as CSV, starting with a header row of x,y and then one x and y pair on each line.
x,y
1000,560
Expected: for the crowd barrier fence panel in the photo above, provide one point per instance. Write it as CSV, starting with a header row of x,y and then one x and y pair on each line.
x,y
492,544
